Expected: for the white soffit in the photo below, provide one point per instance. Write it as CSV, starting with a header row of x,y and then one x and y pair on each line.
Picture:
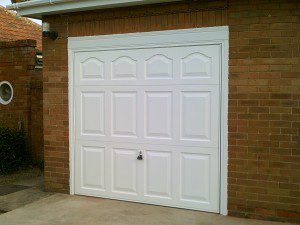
x,y
38,8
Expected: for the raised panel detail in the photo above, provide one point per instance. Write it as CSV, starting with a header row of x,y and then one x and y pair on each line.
x,y
124,68
92,68
125,171
159,67
195,116
158,112
196,65
158,174
124,113
92,113
93,167
195,177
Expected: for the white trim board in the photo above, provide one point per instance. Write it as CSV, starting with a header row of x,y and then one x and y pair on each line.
x,y
199,36
39,8
150,39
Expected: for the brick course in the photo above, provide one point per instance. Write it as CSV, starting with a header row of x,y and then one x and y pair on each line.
x,y
264,96
17,62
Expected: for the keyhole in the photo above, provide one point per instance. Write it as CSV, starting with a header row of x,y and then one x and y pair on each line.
x,y
140,157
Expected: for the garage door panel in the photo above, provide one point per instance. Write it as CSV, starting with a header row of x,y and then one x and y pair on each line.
x,y
93,167
124,114
199,115
200,64
92,69
195,115
196,66
195,188
89,67
158,175
92,113
158,113
159,66
124,68
124,167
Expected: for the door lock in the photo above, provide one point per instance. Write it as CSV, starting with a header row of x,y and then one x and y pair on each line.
x,y
140,157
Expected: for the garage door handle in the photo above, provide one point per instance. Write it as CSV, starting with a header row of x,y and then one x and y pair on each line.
x,y
140,157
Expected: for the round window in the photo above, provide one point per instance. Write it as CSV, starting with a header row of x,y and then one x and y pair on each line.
x,y
6,92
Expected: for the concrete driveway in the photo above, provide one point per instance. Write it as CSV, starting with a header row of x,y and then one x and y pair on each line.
x,y
65,209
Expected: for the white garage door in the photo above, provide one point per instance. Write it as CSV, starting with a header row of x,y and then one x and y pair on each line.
x,y
147,124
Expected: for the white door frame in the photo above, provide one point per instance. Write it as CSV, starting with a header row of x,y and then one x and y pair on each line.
x,y
198,36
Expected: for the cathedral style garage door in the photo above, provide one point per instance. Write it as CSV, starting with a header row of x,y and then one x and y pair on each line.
x,y
147,121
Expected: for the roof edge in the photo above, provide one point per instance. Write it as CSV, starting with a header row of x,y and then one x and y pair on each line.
x,y
38,8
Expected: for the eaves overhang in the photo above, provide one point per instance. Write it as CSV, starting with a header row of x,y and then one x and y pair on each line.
x,y
38,8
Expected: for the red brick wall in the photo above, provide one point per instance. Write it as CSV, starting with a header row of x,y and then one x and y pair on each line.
x,y
36,114
17,62
264,97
